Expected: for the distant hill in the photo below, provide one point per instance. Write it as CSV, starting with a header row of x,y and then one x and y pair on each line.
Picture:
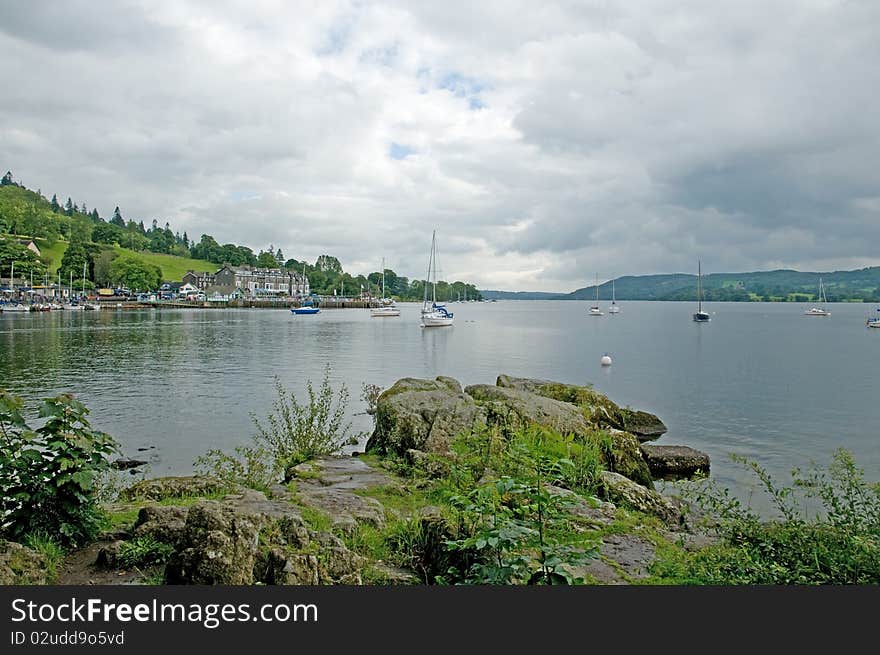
x,y
784,285
522,295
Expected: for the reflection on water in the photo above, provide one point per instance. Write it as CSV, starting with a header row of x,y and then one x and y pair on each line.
x,y
761,380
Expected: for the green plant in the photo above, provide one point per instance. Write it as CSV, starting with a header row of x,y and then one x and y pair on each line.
x,y
48,475
296,432
293,433
837,541
49,548
143,551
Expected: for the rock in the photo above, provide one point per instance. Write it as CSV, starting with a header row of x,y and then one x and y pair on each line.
x,y
598,408
645,426
623,491
108,555
510,408
218,546
598,511
675,462
124,463
278,567
173,487
422,414
164,523
623,558
20,565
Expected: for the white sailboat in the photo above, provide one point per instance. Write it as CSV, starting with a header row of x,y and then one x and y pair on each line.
x,y
700,316
434,315
615,308
387,308
819,310
594,309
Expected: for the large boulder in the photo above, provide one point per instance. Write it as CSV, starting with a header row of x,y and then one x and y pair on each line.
x,y
422,414
675,462
218,546
511,408
164,523
598,409
624,492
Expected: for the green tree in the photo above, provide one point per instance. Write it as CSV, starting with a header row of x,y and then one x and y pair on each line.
x,y
117,218
26,261
107,233
68,207
56,208
135,273
267,260
7,179
328,264
103,264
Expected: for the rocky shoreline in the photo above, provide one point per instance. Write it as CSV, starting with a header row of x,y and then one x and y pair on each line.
x,y
329,522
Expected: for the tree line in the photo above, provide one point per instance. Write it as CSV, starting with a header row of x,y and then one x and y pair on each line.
x,y
92,243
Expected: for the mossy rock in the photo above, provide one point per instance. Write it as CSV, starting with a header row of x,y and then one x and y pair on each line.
x,y
423,415
511,409
600,410
20,565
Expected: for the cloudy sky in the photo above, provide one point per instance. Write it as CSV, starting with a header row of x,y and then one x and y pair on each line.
x,y
544,141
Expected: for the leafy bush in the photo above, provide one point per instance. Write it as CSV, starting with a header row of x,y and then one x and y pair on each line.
x,y
513,528
835,542
48,475
293,433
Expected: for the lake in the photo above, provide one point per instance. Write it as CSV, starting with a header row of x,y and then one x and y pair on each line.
x,y
761,379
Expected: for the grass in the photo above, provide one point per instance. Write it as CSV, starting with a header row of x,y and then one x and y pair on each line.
x,y
50,549
173,267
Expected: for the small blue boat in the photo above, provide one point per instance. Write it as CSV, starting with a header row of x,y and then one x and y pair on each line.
x,y
305,310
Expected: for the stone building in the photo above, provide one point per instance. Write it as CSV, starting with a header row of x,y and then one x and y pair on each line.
x,y
263,282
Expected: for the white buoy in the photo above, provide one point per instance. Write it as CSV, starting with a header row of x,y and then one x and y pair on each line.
x,y
606,360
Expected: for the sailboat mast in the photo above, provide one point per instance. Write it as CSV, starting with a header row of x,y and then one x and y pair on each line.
x,y
434,260
428,273
699,287
383,278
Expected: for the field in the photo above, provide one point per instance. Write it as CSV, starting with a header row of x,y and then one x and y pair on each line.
x,y
173,267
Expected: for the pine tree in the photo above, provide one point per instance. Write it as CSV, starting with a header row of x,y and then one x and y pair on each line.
x,y
185,240
83,209
54,204
7,179
68,207
117,218
141,228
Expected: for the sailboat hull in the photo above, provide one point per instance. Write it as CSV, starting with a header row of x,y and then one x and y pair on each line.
x,y
701,317
429,320
382,312
614,309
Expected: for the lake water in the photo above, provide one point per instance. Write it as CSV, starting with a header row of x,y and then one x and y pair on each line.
x,y
761,379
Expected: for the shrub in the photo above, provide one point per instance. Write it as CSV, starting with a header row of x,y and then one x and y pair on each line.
x,y
835,542
48,476
293,433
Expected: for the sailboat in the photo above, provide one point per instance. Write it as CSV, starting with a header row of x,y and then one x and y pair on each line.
x,y
433,315
700,316
387,308
594,309
615,308
874,322
14,305
820,309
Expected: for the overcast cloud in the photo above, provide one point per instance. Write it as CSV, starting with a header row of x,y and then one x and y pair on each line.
x,y
544,141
